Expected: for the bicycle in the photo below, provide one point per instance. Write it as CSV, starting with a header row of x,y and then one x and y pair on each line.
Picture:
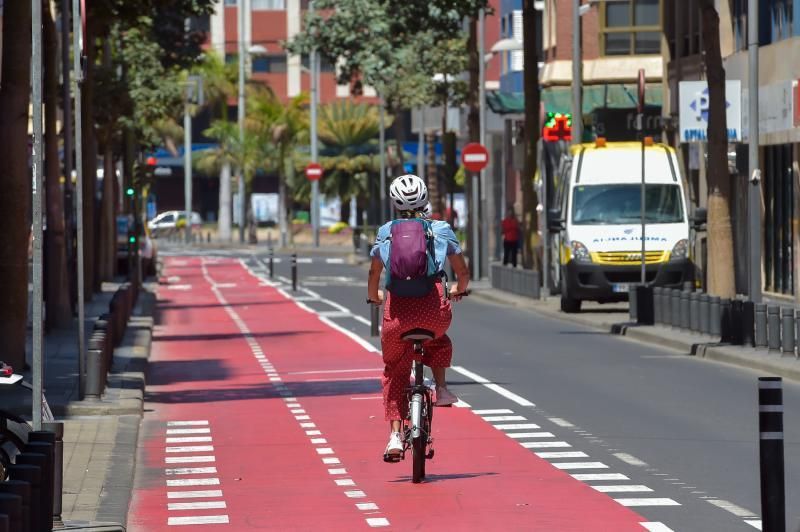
x,y
417,426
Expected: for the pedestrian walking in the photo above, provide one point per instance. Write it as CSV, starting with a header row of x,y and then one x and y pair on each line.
x,y
510,226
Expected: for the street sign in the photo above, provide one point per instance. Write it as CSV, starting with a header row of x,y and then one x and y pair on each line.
x,y
693,110
313,171
475,157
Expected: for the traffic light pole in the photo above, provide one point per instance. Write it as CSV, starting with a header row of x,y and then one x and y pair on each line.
x,y
37,197
313,63
187,166
241,109
77,79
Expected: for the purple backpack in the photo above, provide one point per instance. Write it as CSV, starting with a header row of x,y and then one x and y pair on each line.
x,y
411,266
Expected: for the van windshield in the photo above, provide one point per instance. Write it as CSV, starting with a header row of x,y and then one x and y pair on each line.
x,y
621,204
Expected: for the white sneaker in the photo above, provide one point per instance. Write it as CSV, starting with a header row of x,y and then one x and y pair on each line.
x,y
395,445
444,397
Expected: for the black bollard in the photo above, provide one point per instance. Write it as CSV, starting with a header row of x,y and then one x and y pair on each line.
x,y
761,325
375,313
694,312
774,328
748,324
32,474
684,318
48,478
737,336
714,316
4,526
271,263
797,330
294,272
770,429
705,308
54,433
644,305
23,490
657,304
725,321
787,331
11,505
94,367
675,322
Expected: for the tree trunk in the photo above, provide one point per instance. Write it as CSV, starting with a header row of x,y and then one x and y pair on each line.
x,y
107,240
14,179
59,311
433,177
530,221
721,279
344,209
89,157
224,219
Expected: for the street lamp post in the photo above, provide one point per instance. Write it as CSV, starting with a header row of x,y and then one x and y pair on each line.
x,y
77,79
754,171
577,74
241,111
314,67
480,230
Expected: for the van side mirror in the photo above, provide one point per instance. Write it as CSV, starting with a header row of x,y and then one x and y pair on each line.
x,y
555,223
700,218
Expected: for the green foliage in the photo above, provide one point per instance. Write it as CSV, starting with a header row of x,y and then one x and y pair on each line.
x,y
219,82
396,47
240,151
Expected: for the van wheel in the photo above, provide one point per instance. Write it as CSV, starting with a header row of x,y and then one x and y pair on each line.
x,y
570,305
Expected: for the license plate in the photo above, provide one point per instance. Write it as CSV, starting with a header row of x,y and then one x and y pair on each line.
x,y
620,288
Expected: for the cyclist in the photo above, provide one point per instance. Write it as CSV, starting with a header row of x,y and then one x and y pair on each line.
x,y
409,195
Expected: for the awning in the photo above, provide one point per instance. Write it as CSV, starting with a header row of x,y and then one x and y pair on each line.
x,y
559,99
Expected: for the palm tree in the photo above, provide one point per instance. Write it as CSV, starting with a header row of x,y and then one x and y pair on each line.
x,y
281,127
348,130
219,85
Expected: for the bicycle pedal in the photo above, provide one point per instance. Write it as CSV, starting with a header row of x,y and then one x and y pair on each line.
x,y
392,458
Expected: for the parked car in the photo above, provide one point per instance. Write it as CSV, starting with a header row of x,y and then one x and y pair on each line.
x,y
168,221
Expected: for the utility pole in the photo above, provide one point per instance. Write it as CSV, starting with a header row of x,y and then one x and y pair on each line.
x,y
66,96
382,147
577,74
240,105
187,154
37,197
313,63
754,170
480,230
77,79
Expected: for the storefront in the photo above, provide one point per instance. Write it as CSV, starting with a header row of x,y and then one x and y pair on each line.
x,y
778,185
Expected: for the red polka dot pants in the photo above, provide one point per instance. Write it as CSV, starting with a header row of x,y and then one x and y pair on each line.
x,y
401,314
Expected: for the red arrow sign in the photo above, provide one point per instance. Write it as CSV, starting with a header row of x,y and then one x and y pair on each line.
x,y
313,172
475,157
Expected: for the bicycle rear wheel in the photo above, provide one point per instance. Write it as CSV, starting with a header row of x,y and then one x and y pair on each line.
x,y
419,437
418,452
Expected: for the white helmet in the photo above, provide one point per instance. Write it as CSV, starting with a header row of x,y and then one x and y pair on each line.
x,y
408,193
427,212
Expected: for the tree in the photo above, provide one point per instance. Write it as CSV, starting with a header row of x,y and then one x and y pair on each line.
x,y
14,179
57,285
721,280
530,221
282,128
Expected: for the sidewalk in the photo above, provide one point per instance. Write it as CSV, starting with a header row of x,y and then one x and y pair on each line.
x,y
614,318
100,437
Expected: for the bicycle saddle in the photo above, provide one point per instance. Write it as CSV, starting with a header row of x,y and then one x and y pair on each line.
x,y
421,335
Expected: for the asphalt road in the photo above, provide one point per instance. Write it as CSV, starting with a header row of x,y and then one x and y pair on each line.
x,y
685,428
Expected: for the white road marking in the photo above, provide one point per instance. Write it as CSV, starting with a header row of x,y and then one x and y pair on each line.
x,y
293,405
368,397
655,526
331,461
377,521
350,334
366,506
520,435
199,520
344,482
204,505
337,471
625,488
517,426
755,523
308,425
544,444
191,470
189,439
584,477
738,511
226,285
313,433
562,454
304,260
318,441
461,404
297,411
188,431
333,260
183,287
185,423
334,314
647,501
580,465
324,450
630,459
492,386
355,494
504,418
560,422
208,494
191,449
188,459
192,482
493,411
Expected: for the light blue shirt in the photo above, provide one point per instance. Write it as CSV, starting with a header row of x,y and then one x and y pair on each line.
x,y
445,242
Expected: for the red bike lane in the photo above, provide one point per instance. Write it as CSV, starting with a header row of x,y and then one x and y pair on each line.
x,y
296,425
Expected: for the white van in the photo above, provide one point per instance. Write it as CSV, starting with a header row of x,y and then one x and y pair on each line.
x,y
596,222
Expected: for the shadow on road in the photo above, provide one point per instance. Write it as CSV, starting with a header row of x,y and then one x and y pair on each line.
x,y
447,476
225,336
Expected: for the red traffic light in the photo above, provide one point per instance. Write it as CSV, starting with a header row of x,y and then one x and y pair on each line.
x,y
151,161
561,130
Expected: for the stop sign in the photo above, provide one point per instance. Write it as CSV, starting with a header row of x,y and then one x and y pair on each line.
x,y
475,157
313,171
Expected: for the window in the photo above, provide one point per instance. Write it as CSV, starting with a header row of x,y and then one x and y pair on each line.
x,y
325,64
231,2
273,64
268,5
778,236
621,204
631,27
